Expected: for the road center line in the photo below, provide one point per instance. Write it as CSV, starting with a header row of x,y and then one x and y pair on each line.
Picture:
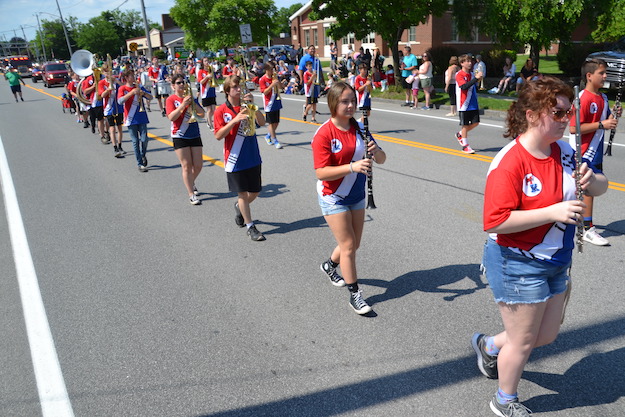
x,y
50,383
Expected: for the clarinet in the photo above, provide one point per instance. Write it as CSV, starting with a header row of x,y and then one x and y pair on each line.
x,y
365,122
578,162
615,112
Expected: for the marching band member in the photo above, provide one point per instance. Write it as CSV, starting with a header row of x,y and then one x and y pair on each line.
x,y
362,85
530,212
158,75
136,119
113,111
241,153
230,68
270,87
95,109
342,169
206,75
71,89
144,81
185,134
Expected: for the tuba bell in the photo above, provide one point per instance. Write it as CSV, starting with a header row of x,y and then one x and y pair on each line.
x,y
82,63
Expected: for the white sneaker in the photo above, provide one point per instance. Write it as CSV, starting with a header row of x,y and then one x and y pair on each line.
x,y
468,149
194,200
591,236
277,144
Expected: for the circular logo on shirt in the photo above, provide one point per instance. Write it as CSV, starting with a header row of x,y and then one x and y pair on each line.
x,y
176,103
593,108
227,117
531,185
336,146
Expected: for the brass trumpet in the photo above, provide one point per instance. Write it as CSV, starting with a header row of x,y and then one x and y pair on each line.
x,y
213,82
188,92
250,128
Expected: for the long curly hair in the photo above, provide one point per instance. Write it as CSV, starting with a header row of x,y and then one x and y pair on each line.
x,y
538,96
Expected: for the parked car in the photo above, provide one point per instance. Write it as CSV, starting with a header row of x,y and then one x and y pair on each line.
x,y
615,58
54,73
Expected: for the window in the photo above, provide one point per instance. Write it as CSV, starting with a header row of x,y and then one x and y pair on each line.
x,y
327,38
455,35
412,34
349,39
314,36
306,38
370,38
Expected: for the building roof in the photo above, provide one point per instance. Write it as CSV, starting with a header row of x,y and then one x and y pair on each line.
x,y
301,10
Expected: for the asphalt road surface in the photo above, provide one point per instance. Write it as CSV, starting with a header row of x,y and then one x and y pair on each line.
x,y
122,299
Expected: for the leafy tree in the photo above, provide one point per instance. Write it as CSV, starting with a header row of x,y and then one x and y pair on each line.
x,y
281,23
54,38
611,24
389,20
535,22
212,24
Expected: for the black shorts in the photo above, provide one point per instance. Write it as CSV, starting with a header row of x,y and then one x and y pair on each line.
x,y
247,180
97,113
16,89
452,94
272,117
405,85
209,101
312,100
187,143
469,117
115,119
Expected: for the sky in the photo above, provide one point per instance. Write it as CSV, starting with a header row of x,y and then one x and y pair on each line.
x,y
18,14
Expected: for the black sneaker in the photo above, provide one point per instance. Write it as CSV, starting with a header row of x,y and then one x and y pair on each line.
x,y
142,168
117,152
85,125
513,409
486,362
144,161
164,114
92,128
123,152
238,219
407,104
254,234
358,303
334,276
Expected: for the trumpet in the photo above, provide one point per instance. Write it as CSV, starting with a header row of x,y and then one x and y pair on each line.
x,y
578,163
188,92
250,127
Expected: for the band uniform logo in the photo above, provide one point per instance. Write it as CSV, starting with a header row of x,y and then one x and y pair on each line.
x,y
336,146
593,108
227,117
531,185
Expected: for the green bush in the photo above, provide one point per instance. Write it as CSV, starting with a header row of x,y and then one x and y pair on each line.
x,y
495,59
160,54
571,57
440,57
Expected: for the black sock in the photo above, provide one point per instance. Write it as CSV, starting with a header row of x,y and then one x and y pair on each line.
x,y
353,287
332,263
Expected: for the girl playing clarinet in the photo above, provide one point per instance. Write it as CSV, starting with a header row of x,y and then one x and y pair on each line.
x,y
530,213
342,169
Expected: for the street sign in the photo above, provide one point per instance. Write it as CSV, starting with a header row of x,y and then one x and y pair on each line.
x,y
133,46
246,33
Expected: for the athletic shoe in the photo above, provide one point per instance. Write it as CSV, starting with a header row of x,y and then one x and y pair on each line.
x,y
22,98
304,117
268,139
334,276
407,104
194,200
277,144
238,219
468,149
513,409
591,236
164,113
195,191
358,303
144,161
104,140
123,152
254,234
450,114
487,363
458,136
86,124
425,108
92,128
116,152
142,168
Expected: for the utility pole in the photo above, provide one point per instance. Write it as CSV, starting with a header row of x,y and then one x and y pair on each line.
x,y
43,48
69,47
26,42
147,30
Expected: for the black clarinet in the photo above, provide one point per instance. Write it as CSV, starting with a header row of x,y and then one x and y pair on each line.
x,y
365,122
615,112
578,163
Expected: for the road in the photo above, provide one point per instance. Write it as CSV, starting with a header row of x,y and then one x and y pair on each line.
x,y
159,308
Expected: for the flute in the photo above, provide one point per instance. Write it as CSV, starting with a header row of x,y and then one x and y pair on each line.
x,y
578,163
365,122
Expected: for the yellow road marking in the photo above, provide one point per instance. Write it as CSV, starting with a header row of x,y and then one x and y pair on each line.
x,y
612,185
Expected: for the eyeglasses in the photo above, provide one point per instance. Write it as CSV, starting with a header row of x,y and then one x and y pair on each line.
x,y
179,82
559,115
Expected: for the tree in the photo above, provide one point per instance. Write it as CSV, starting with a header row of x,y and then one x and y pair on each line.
x,y
281,23
54,38
212,24
611,24
537,23
389,20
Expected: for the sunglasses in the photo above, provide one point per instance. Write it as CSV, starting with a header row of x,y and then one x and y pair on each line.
x,y
559,115
179,82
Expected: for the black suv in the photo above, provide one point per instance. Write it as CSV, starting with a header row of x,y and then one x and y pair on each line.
x,y
615,58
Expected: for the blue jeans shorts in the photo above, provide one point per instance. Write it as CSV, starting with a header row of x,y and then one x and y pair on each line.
x,y
327,209
517,279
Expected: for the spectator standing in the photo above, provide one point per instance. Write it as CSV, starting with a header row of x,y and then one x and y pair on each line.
x,y
480,66
409,62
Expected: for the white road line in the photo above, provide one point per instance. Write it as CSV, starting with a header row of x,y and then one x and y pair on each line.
x,y
50,384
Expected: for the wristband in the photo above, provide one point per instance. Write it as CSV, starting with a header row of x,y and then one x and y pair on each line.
x,y
351,169
600,126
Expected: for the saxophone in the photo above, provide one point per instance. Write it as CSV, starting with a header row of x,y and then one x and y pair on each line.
x,y
249,129
188,92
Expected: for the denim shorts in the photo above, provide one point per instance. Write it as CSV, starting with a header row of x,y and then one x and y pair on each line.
x,y
517,279
327,208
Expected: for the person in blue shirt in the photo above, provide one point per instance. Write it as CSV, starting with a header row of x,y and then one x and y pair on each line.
x,y
409,62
